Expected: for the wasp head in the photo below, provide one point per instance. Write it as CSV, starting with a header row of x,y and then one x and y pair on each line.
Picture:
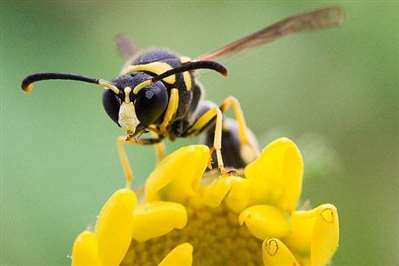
x,y
135,110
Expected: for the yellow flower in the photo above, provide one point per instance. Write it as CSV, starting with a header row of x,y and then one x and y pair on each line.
x,y
188,218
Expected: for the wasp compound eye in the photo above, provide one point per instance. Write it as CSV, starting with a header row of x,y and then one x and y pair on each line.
x,y
111,103
151,102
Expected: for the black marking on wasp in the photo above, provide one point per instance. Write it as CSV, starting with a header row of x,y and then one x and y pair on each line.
x,y
157,92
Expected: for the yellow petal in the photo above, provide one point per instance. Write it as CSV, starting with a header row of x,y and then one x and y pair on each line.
x,y
84,251
114,226
302,223
182,255
157,218
303,260
276,176
325,236
265,221
239,194
315,233
213,194
233,190
275,253
178,176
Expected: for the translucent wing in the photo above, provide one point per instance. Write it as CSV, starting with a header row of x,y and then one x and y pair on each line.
x,y
126,47
310,21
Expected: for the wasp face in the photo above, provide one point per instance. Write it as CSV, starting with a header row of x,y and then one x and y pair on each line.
x,y
135,112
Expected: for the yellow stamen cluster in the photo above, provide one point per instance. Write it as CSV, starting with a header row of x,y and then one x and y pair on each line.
x,y
187,219
215,235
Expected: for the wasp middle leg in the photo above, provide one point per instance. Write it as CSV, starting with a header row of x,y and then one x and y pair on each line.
x,y
202,123
248,147
238,144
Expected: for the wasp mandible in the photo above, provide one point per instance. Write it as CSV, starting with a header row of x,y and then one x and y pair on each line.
x,y
158,92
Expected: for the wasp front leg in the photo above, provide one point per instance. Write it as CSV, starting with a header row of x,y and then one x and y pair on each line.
x,y
127,169
120,144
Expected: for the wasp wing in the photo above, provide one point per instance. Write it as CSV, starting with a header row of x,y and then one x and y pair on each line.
x,y
310,21
126,47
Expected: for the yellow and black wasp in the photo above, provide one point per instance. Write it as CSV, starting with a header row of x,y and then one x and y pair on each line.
x,y
158,92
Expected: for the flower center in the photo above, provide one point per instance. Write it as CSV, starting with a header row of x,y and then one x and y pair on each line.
x,y
215,234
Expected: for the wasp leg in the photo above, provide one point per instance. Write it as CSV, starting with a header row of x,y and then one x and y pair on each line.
x,y
121,141
127,169
201,123
248,148
159,148
156,141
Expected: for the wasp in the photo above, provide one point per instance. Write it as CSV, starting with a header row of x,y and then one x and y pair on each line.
x,y
158,92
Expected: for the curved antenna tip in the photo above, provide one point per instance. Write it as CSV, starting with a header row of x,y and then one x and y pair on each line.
x,y
27,82
225,73
27,87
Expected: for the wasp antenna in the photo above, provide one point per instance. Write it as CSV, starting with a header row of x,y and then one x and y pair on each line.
x,y
189,66
27,83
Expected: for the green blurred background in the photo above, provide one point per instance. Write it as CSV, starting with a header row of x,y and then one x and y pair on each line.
x,y
334,92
